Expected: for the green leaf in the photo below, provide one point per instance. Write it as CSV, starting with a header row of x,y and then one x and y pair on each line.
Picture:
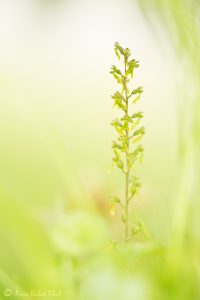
x,y
136,228
117,53
136,99
118,96
141,131
136,123
133,191
114,69
117,78
138,139
131,66
116,122
116,158
116,145
138,115
135,185
118,102
115,199
127,53
139,90
120,164
127,119
119,48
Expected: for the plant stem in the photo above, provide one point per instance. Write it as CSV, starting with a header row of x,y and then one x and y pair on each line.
x,y
126,148
128,170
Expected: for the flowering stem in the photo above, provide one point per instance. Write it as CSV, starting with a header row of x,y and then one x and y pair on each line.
x,y
126,148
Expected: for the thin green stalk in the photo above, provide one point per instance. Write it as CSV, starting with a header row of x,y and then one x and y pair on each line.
x,y
127,169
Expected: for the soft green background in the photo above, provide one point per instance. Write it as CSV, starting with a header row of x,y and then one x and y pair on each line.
x,y
55,154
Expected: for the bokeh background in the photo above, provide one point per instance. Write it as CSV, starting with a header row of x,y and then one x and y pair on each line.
x,y
55,150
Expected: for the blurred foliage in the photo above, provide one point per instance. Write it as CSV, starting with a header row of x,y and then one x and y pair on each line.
x,y
181,21
59,244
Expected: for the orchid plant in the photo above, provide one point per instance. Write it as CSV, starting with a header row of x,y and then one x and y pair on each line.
x,y
127,147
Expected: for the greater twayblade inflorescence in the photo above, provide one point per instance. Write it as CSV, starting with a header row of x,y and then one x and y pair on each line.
x,y
127,147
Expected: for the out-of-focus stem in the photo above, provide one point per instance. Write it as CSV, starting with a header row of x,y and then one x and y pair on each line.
x,y
127,168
